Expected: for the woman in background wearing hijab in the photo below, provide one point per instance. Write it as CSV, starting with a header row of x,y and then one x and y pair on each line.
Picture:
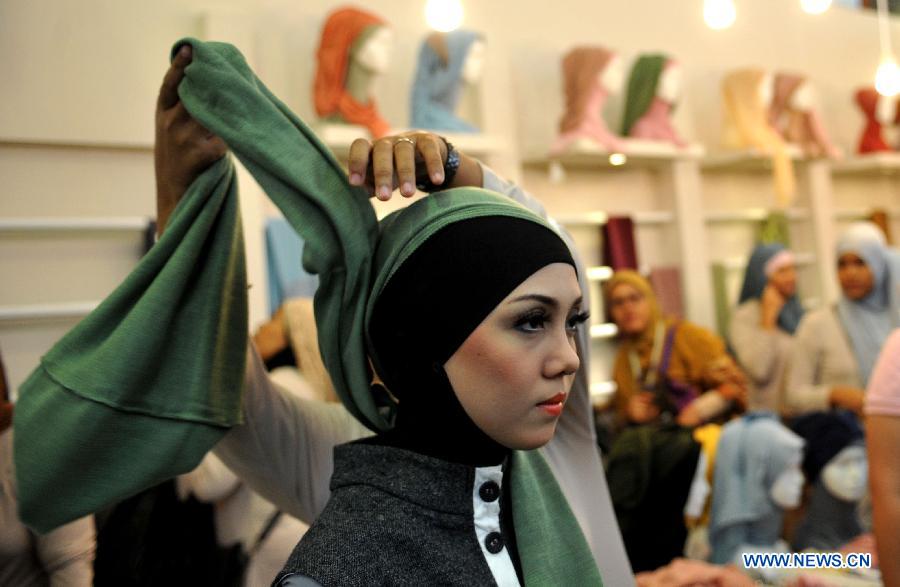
x,y
836,346
762,326
666,365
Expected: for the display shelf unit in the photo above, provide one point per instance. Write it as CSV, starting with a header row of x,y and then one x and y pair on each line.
x,y
27,313
635,154
339,137
744,160
739,194
70,224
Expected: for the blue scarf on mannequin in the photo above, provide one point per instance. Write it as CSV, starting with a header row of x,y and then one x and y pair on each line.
x,y
437,86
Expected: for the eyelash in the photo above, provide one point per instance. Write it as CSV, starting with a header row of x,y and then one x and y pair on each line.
x,y
538,318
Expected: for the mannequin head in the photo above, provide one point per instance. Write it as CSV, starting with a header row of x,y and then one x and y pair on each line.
x,y
766,89
373,53
474,64
845,476
612,78
803,98
787,489
670,82
885,110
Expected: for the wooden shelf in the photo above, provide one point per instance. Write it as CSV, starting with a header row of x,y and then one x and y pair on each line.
x,y
339,137
604,331
637,154
601,273
861,214
599,218
46,311
112,224
874,164
752,215
745,160
17,143
740,263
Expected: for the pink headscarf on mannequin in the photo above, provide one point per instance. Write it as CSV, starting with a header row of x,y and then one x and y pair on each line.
x,y
802,127
584,95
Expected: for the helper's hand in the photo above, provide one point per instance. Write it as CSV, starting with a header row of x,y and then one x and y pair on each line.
x,y
183,148
398,161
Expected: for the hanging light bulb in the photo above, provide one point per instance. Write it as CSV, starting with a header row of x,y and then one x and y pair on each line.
x,y
887,78
444,15
719,14
815,6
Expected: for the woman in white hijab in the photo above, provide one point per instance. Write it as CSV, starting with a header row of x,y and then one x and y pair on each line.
x,y
837,345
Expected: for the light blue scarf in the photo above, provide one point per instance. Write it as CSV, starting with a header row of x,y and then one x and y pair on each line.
x,y
752,452
437,87
869,321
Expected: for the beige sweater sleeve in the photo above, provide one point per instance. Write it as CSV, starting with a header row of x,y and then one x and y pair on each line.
x,y
283,449
821,360
756,348
67,553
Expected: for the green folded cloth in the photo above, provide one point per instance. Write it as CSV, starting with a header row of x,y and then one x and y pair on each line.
x,y
145,385
142,388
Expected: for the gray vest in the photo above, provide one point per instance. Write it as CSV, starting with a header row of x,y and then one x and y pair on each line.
x,y
395,517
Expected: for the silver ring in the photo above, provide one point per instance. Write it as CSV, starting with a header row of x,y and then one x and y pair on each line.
x,y
405,140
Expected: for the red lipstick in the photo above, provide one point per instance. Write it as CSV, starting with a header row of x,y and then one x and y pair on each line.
x,y
554,405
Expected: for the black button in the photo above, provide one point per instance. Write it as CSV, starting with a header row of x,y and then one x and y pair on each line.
x,y
493,542
489,491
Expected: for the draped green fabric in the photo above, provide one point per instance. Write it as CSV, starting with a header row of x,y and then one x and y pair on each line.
x,y
551,544
775,228
641,88
720,295
145,385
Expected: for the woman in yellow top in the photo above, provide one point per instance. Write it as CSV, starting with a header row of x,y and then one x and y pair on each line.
x,y
667,369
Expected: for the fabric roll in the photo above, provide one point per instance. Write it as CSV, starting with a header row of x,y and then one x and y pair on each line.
x,y
619,250
666,282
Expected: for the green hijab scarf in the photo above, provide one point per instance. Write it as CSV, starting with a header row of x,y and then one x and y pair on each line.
x,y
641,88
148,383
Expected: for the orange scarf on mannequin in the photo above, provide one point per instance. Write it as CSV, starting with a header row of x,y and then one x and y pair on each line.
x,y
341,29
